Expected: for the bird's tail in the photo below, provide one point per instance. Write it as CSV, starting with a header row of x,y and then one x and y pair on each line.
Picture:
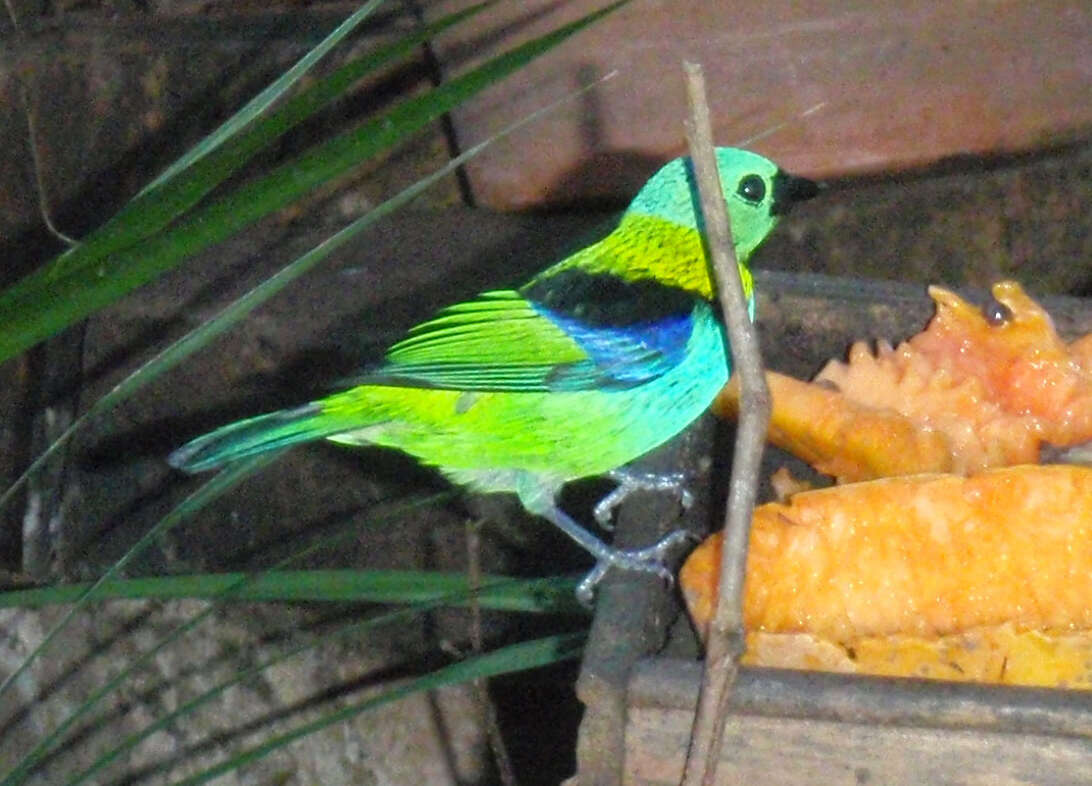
x,y
254,435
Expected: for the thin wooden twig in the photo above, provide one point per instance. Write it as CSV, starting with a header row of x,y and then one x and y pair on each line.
x,y
39,174
22,77
725,642
488,712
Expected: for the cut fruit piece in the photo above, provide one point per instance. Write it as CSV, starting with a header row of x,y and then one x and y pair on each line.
x,y
913,562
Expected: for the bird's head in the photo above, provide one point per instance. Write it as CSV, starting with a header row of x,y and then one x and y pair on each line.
x,y
755,189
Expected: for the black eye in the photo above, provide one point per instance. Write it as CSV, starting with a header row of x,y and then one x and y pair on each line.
x,y
752,188
996,313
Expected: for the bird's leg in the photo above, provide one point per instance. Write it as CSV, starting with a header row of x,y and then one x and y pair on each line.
x,y
649,560
540,500
629,481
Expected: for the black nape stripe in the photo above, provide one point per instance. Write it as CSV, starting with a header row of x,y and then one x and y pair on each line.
x,y
607,300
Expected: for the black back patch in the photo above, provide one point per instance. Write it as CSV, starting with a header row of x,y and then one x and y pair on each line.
x,y
607,300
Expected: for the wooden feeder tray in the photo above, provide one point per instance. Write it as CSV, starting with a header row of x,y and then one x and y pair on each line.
x,y
795,727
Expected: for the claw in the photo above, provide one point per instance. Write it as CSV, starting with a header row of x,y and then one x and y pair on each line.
x,y
628,482
585,590
539,498
647,560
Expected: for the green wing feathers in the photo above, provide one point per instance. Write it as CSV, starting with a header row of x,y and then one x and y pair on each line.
x,y
498,327
498,341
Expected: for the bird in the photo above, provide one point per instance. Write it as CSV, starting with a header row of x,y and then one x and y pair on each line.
x,y
589,365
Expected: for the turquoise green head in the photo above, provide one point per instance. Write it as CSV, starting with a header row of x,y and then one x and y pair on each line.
x,y
756,191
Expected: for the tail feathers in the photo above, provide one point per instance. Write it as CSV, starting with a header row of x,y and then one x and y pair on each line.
x,y
252,436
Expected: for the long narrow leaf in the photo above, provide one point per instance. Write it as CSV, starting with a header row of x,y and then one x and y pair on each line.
x,y
264,99
228,590
34,308
219,484
152,209
515,588
498,593
166,196
507,660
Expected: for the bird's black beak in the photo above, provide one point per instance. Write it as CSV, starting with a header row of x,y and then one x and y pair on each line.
x,y
790,189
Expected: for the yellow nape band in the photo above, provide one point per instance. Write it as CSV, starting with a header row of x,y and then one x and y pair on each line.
x,y
647,247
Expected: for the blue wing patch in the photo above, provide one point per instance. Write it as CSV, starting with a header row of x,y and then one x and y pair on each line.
x,y
620,357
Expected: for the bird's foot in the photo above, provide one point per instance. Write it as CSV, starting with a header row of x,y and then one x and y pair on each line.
x,y
648,560
628,482
538,498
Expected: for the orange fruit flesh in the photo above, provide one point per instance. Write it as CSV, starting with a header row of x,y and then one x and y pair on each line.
x,y
964,395
985,577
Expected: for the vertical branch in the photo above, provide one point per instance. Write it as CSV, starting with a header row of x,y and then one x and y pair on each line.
x,y
481,687
726,636
36,160
22,76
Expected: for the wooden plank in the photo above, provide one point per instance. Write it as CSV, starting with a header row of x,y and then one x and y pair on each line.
x,y
905,85
790,751
799,728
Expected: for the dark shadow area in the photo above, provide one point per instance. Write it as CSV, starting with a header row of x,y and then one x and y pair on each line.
x,y
539,715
